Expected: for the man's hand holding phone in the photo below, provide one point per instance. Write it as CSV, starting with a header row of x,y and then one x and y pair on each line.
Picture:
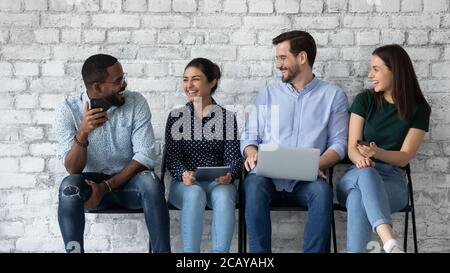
x,y
92,119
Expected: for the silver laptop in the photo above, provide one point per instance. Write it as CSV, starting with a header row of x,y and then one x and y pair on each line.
x,y
275,161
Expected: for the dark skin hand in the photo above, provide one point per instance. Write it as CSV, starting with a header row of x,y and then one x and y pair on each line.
x,y
98,191
92,119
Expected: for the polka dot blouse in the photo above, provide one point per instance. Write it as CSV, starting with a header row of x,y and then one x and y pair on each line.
x,y
193,142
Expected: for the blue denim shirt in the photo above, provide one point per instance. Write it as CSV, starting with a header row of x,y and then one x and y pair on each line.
x,y
316,117
127,135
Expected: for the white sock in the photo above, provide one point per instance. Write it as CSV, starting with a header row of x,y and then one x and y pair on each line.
x,y
389,245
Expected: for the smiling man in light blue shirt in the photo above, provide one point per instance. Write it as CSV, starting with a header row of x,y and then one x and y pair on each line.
x,y
109,154
301,111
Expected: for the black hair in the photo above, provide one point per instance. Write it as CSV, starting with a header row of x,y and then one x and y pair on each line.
x,y
94,68
210,69
299,41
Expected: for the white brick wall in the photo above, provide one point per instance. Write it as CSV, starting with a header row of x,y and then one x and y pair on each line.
x,y
411,5
43,44
287,6
260,6
5,69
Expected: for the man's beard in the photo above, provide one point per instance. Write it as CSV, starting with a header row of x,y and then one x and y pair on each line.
x,y
291,74
114,100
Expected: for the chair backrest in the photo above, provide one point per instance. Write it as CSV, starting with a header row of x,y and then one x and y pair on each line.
x,y
163,173
163,162
410,204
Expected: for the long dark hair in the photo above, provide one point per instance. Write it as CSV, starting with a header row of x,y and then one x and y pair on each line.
x,y
210,69
406,90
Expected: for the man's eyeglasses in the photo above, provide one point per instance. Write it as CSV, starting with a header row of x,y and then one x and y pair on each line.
x,y
120,81
280,59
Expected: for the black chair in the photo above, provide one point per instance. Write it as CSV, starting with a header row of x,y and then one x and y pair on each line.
x,y
408,209
274,208
238,205
114,210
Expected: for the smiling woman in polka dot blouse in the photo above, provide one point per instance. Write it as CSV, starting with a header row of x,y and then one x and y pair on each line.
x,y
199,134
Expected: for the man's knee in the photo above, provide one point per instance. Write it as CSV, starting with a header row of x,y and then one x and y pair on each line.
x,y
254,184
72,185
149,182
322,190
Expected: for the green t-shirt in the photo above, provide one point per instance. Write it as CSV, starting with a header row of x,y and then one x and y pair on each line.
x,y
384,126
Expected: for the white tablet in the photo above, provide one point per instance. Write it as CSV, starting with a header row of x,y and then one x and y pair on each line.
x,y
211,173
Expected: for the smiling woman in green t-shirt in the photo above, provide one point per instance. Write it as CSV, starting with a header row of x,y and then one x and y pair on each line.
x,y
390,121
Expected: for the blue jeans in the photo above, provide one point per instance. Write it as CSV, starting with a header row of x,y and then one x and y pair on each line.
x,y
370,196
260,194
144,190
192,201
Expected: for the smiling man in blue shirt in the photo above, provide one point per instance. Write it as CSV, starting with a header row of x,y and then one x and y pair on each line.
x,y
301,111
109,154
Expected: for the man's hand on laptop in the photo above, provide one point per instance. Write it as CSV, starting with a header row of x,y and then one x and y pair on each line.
x,y
321,174
188,178
251,153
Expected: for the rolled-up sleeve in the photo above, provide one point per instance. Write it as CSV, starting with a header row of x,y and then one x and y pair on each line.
x,y
338,125
143,138
64,129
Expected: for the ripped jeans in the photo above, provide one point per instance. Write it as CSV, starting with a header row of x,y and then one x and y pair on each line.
x,y
144,190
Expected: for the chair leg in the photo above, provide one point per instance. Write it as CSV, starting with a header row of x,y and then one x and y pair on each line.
x,y
405,234
240,221
244,237
333,232
413,218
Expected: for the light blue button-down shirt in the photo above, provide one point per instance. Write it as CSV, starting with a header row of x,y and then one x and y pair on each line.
x,y
316,117
127,135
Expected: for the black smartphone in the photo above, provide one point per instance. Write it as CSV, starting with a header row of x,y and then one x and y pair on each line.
x,y
100,103
363,142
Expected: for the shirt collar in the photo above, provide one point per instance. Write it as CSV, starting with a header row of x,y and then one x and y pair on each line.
x,y
84,97
307,88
